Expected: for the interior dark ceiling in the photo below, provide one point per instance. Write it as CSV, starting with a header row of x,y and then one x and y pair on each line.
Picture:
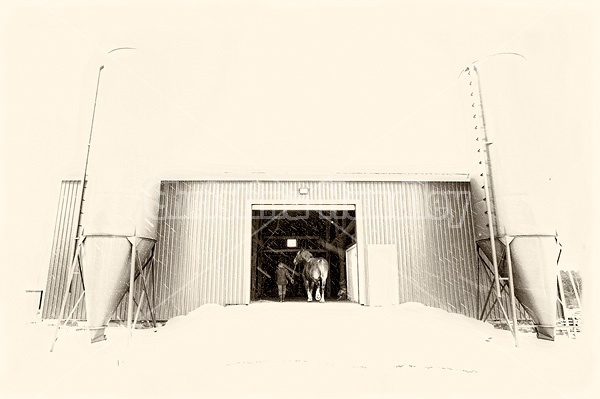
x,y
309,228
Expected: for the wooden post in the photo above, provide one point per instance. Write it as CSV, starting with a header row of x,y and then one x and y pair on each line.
x,y
253,276
342,256
260,279
328,255
260,269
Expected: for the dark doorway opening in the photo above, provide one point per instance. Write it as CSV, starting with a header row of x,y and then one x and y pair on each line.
x,y
277,236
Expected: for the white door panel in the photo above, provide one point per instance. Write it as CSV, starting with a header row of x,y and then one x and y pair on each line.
x,y
382,270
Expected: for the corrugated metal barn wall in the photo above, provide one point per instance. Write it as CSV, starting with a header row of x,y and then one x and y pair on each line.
x,y
200,250
200,254
63,249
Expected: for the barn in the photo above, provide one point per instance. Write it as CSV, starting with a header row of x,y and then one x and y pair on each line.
x,y
390,238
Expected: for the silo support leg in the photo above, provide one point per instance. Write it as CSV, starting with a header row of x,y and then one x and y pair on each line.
x,y
143,295
500,284
145,285
66,294
513,303
133,241
487,300
136,266
487,310
496,299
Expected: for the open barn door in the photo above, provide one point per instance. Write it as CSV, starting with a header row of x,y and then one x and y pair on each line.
x,y
279,231
352,273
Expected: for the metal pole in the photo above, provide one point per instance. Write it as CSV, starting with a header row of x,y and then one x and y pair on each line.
x,y
145,285
153,284
511,286
487,300
479,262
133,241
87,156
74,307
486,186
79,228
137,312
66,294
563,299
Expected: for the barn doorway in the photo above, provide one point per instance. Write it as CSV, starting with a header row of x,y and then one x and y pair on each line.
x,y
280,231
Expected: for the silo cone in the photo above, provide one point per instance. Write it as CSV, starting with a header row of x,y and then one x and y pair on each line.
x,y
106,264
535,280
507,142
115,214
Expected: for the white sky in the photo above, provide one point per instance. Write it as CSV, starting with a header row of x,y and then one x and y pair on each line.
x,y
286,86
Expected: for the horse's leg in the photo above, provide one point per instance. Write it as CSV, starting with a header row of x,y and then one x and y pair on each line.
x,y
323,280
318,292
308,287
324,276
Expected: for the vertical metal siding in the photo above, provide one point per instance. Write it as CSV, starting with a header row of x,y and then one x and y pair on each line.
x,y
201,236
200,255
63,246
461,272
408,274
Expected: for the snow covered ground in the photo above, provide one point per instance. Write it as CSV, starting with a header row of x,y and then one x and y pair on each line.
x,y
297,349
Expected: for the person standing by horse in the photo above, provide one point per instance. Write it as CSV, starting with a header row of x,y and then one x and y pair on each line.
x,y
283,275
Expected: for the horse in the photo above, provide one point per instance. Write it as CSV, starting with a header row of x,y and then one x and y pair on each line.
x,y
315,272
